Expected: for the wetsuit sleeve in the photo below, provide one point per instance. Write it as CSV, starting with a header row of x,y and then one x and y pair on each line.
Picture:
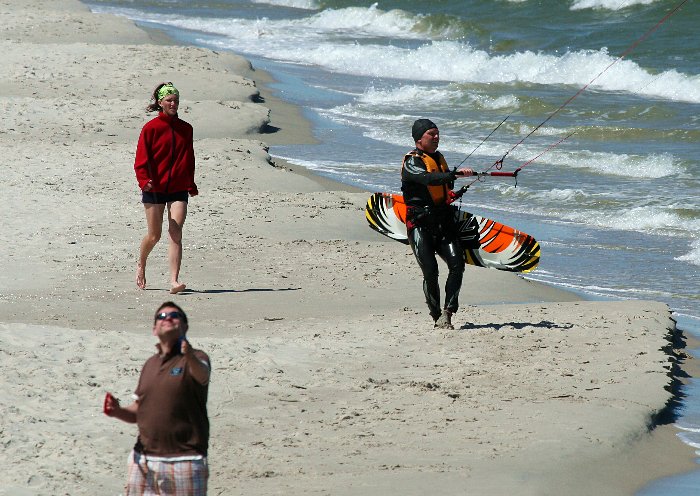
x,y
141,162
414,172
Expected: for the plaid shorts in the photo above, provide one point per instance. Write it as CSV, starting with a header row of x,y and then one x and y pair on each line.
x,y
166,478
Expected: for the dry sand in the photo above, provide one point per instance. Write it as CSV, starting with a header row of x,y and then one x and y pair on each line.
x,y
328,377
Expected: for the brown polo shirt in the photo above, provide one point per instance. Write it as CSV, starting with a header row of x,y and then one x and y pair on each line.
x,y
172,413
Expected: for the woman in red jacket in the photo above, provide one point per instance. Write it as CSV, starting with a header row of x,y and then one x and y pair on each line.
x,y
164,168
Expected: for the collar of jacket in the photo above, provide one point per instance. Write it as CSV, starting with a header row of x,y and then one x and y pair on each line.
x,y
165,117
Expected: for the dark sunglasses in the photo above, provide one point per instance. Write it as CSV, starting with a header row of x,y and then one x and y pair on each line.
x,y
165,315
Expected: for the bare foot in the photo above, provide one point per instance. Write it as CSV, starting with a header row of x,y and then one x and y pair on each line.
x,y
178,287
140,276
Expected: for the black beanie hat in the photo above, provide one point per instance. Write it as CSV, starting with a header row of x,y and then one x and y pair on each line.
x,y
420,127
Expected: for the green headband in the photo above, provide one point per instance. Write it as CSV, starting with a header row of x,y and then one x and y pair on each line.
x,y
167,89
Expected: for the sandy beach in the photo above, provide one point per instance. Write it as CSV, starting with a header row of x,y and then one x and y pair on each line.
x,y
328,377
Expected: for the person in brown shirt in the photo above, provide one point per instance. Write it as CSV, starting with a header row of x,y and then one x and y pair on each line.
x,y
170,409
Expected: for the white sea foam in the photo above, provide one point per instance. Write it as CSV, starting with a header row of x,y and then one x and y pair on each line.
x,y
350,112
652,166
688,425
657,219
689,439
406,94
383,104
458,62
693,256
545,131
649,166
557,280
427,95
296,4
356,174
688,429
503,102
331,23
329,39
559,195
367,21
608,4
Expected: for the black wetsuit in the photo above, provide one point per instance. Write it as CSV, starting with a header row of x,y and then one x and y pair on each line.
x,y
432,229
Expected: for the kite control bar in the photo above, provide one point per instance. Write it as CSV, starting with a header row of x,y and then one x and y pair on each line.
x,y
453,196
497,173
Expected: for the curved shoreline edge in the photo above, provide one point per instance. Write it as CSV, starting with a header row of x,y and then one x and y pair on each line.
x,y
328,376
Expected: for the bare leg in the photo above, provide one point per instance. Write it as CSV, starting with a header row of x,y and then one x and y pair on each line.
x,y
177,213
154,221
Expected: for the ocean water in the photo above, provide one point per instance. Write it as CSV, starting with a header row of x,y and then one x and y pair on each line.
x,y
607,145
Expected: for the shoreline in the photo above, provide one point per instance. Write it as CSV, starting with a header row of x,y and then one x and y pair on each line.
x,y
288,293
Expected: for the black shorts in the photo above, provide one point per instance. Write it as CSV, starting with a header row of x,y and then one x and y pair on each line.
x,y
153,197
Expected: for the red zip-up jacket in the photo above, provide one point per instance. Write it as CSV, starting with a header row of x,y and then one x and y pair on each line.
x,y
165,156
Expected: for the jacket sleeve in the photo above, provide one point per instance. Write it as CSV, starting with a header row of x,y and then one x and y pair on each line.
x,y
414,172
191,160
141,163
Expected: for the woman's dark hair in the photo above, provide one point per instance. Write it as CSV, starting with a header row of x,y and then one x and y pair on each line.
x,y
153,106
172,305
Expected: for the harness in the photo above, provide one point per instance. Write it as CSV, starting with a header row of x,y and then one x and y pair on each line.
x,y
438,193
